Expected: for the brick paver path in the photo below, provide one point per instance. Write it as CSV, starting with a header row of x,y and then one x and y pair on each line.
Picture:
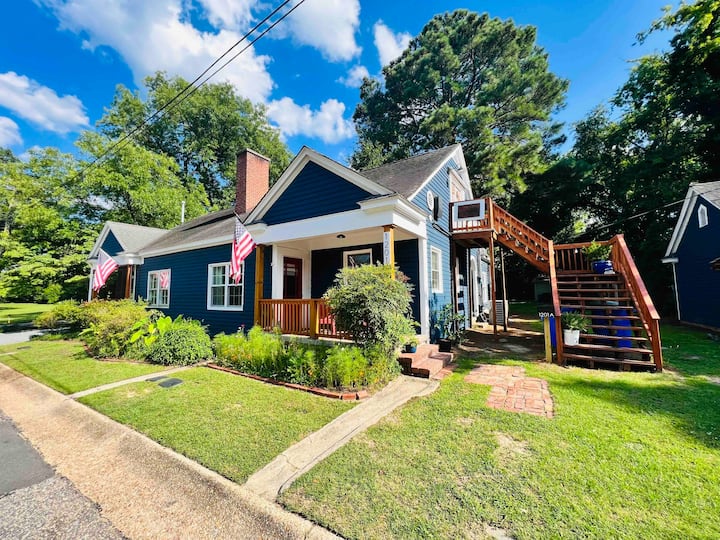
x,y
512,390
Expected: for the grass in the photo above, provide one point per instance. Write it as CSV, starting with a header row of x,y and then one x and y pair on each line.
x,y
66,367
12,316
628,455
228,423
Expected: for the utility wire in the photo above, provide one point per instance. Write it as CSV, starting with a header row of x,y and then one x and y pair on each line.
x,y
641,214
184,93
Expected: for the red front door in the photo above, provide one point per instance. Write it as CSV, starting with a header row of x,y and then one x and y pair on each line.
x,y
292,278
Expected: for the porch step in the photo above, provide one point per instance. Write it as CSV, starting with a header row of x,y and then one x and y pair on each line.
x,y
613,338
592,348
426,362
590,360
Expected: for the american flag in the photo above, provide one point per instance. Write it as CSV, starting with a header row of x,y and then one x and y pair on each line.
x,y
106,265
165,279
243,245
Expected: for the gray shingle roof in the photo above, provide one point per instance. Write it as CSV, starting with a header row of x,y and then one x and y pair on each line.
x,y
710,191
407,175
133,237
212,225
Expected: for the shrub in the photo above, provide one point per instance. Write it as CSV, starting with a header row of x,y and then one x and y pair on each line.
x,y
372,305
259,352
346,367
66,313
305,363
382,368
109,325
597,252
183,342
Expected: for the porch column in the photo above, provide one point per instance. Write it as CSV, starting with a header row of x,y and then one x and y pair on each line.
x,y
128,280
259,275
389,245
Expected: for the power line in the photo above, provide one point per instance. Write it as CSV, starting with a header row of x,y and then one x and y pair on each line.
x,y
641,214
184,94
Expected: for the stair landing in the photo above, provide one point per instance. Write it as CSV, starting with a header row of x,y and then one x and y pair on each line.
x,y
427,362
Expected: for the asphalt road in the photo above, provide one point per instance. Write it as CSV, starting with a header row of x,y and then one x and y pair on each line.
x,y
37,503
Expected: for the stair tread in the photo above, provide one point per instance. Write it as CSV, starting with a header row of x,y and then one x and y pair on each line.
x,y
597,308
613,338
612,327
594,347
571,356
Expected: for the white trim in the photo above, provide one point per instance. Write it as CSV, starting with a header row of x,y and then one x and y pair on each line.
x,y
424,287
158,272
100,240
684,219
667,260
227,285
190,246
439,290
459,158
702,215
296,166
356,252
342,222
677,293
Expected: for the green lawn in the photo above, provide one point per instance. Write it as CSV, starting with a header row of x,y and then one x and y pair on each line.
x,y
628,455
230,424
66,367
12,315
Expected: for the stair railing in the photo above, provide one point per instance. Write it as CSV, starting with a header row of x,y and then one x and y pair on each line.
x,y
623,262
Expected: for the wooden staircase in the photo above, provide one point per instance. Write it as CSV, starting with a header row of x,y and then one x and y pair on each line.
x,y
626,329
618,335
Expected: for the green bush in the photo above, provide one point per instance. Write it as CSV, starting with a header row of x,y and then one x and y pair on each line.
x,y
382,368
259,352
373,304
346,367
66,313
305,363
109,325
183,342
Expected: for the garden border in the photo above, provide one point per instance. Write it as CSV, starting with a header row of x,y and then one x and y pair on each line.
x,y
343,396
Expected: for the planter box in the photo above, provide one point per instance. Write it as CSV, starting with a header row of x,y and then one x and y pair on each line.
x,y
445,345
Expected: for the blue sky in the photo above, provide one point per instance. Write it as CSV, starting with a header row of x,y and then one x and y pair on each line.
x,y
60,60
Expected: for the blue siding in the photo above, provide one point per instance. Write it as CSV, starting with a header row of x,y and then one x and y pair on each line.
x,y
698,284
327,262
438,237
314,192
188,286
111,246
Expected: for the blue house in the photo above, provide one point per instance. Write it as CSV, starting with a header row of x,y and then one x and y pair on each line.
x,y
317,218
694,252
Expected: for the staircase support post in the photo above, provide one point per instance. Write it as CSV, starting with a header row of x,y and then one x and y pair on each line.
x,y
493,291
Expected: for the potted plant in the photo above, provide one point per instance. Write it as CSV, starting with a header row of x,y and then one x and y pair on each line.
x,y
451,326
411,344
574,322
599,256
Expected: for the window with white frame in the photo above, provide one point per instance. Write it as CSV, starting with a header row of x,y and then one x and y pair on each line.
x,y
158,288
357,258
436,283
223,292
702,216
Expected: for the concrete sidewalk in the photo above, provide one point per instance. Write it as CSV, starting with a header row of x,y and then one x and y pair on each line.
x,y
144,489
277,475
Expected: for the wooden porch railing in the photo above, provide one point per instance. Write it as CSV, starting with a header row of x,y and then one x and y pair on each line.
x,y
302,317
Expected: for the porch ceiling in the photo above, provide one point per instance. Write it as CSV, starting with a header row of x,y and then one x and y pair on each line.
x,y
360,237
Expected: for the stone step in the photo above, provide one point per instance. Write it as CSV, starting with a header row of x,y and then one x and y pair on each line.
x,y
426,362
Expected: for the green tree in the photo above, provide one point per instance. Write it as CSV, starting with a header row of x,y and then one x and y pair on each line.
x,y
470,79
202,133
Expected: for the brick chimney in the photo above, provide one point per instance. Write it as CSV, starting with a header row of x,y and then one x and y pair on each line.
x,y
253,180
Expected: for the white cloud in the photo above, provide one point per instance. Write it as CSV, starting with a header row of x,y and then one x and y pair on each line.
x,y
41,105
157,35
389,45
355,76
328,123
9,132
327,25
228,13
